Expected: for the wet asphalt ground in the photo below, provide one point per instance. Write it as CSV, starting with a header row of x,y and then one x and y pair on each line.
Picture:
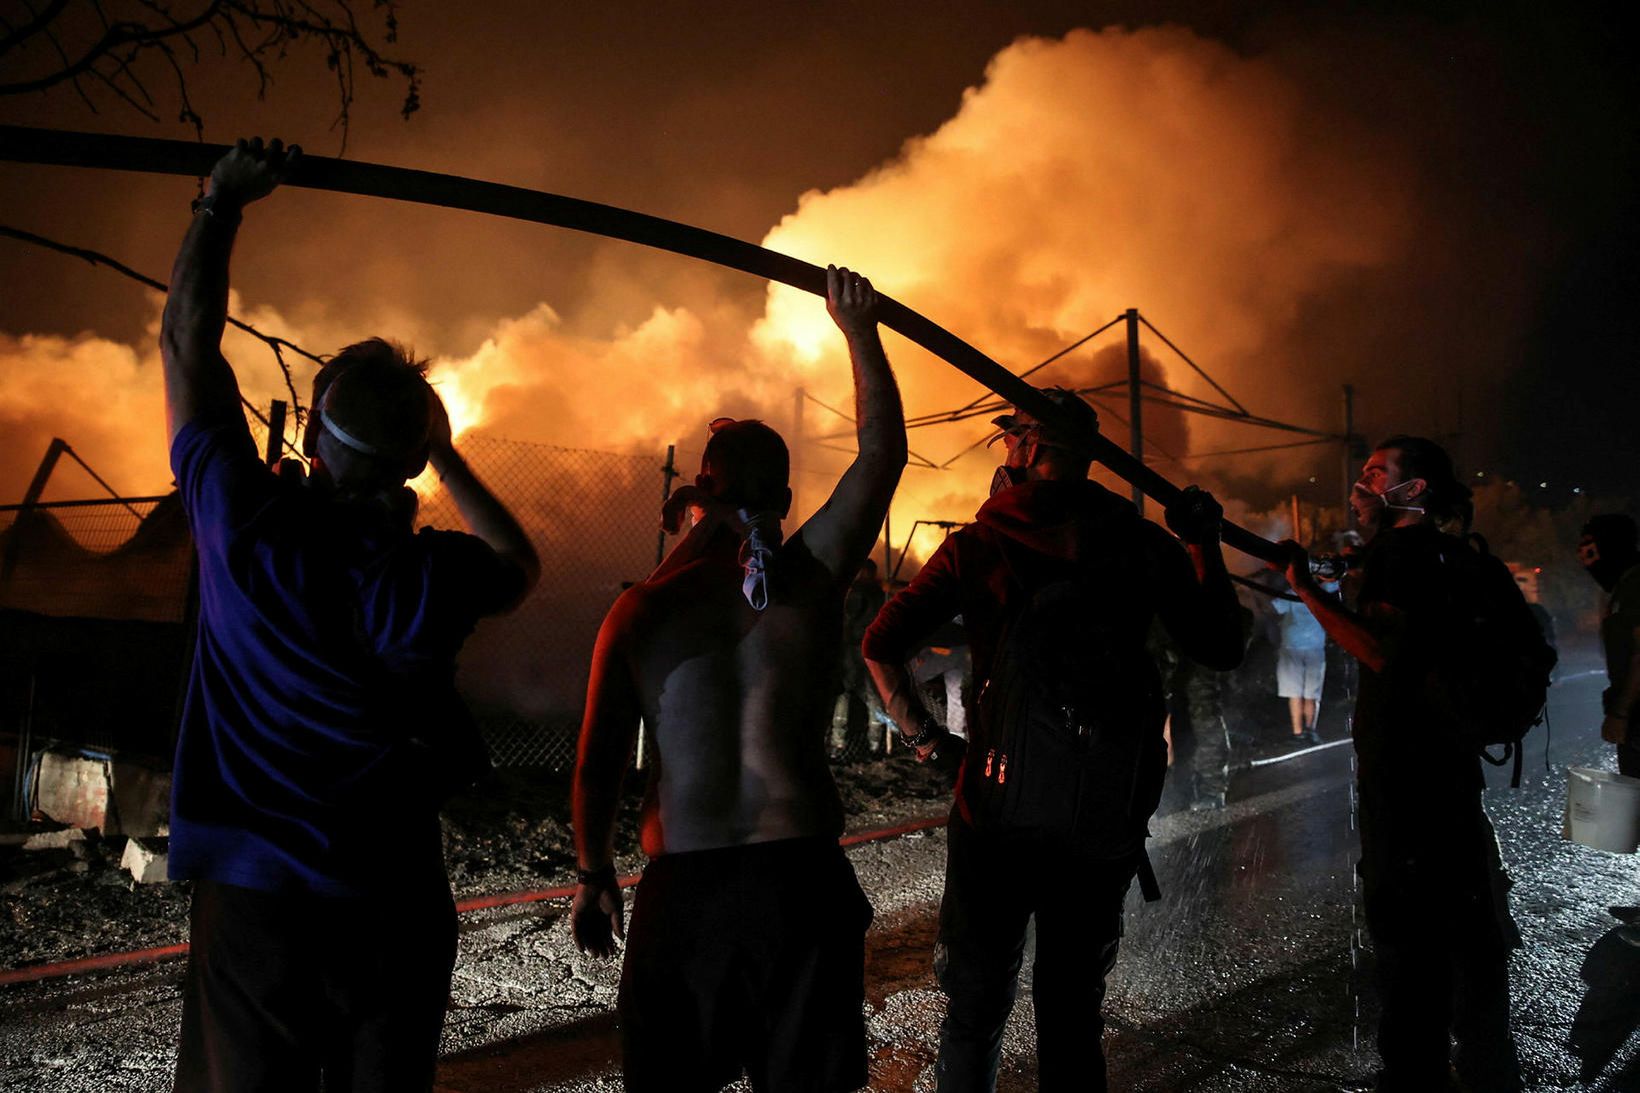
x,y
1252,973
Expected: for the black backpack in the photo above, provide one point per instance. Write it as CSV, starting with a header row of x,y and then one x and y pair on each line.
x,y
1067,733
1491,676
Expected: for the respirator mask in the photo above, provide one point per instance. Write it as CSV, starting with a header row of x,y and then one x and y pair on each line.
x,y
1383,496
1008,475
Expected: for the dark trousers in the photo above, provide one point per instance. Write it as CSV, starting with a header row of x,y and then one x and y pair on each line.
x,y
1210,757
283,988
993,886
746,957
1628,755
1438,916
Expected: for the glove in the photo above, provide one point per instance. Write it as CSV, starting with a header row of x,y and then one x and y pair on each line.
x,y
1195,516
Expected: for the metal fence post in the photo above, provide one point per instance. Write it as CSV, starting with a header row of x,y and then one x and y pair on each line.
x,y
36,487
668,472
1136,429
276,431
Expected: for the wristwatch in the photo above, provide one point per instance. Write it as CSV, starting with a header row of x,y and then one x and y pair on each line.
x,y
597,878
214,206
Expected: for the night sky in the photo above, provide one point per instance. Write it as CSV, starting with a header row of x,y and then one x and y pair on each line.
x,y
1437,205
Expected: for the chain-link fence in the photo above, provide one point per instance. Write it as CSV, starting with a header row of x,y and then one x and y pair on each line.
x,y
124,559
93,598
95,604
593,517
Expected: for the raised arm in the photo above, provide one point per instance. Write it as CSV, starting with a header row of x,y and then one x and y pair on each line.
x,y
1199,606
840,535
609,729
482,512
198,381
1369,641
929,601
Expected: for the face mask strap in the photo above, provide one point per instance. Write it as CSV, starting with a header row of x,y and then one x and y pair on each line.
x,y
1382,497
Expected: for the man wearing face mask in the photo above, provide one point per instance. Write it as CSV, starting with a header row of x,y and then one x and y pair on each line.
x,y
1432,878
321,704
747,945
1057,581
1610,553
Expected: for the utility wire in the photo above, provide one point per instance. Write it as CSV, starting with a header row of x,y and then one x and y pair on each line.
x,y
276,344
919,459
112,492
1077,344
1198,368
1259,448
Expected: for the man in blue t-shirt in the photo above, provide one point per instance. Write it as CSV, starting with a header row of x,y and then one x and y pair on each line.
x,y
322,729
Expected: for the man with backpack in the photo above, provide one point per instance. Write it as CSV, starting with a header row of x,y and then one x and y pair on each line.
x,y
1057,581
1451,661
1609,549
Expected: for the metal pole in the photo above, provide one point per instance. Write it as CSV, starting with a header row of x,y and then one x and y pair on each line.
x,y
1136,429
796,448
276,431
19,525
1349,454
668,472
888,547
25,745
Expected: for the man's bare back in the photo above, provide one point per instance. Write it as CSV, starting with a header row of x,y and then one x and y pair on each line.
x,y
737,702
734,681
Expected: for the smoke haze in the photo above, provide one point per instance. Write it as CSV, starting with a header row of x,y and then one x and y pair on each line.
x,y
1283,233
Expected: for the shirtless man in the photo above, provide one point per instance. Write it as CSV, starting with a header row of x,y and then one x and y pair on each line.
x,y
747,946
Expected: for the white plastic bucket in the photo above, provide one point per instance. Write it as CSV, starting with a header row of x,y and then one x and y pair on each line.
x,y
1603,809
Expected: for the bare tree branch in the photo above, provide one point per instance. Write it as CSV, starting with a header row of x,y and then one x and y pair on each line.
x,y
35,25
277,344
116,41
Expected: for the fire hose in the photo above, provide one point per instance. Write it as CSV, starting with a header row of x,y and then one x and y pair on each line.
x,y
57,969
22,144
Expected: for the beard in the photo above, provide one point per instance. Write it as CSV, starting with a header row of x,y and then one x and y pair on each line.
x,y
1369,514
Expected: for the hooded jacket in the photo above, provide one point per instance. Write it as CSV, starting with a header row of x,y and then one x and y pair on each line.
x,y
1038,531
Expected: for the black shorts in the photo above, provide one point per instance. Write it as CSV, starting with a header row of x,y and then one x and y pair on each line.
x,y
749,957
282,989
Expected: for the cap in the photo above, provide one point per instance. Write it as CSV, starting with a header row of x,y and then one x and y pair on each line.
x,y
1077,409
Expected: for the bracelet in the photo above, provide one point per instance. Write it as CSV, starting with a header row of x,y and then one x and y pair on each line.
x,y
228,213
928,730
597,878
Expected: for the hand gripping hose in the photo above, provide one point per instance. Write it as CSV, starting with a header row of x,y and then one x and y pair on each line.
x,y
23,144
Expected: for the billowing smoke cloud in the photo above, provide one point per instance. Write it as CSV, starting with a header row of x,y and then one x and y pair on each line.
x,y
107,400
1150,169
99,395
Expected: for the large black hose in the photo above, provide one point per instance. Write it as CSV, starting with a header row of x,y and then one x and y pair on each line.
x,y
22,144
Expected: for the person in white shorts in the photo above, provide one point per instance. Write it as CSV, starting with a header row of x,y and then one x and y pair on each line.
x,y
1301,664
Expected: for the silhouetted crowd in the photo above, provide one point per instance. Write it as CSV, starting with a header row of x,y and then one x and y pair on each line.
x,y
1040,657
